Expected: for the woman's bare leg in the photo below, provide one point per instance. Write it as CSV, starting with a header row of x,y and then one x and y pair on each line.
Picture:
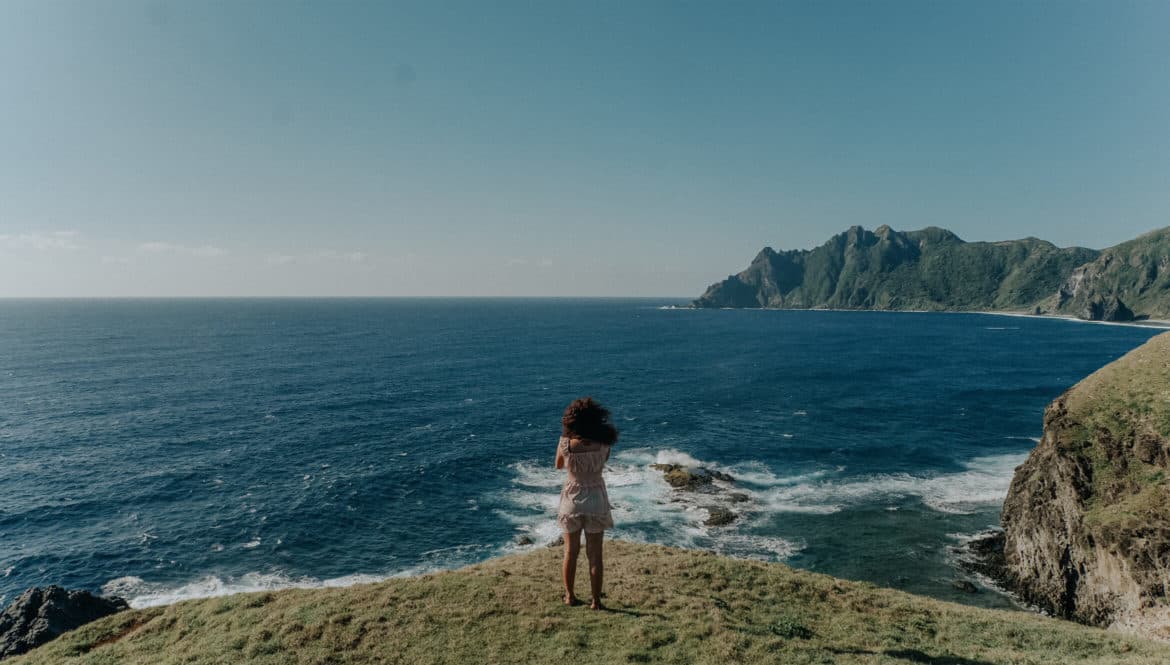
x,y
569,568
596,567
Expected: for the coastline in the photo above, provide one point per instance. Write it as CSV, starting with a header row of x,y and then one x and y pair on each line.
x,y
663,605
1158,324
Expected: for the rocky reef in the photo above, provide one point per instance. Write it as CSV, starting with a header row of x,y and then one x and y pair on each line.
x,y
41,614
1087,518
701,481
933,269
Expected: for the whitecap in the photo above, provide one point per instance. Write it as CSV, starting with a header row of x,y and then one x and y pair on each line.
x,y
251,544
644,504
143,594
984,483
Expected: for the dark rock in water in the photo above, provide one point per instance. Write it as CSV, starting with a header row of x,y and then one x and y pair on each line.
x,y
717,516
523,540
965,586
983,555
738,497
681,477
41,614
557,542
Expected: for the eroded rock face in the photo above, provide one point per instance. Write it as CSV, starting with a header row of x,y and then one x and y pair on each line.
x,y
41,614
1087,518
1105,309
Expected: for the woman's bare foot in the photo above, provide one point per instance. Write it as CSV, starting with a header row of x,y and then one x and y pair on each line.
x,y
571,600
596,605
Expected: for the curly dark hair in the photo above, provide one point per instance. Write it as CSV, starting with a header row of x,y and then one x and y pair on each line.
x,y
586,419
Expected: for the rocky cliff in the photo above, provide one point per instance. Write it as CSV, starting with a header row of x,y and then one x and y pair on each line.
x,y
1133,277
41,614
1087,519
933,269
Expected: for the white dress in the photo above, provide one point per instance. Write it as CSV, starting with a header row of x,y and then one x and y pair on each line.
x,y
584,500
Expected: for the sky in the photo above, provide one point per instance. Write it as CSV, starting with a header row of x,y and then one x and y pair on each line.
x,y
555,148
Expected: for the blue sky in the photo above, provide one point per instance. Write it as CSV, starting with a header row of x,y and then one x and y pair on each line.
x,y
555,148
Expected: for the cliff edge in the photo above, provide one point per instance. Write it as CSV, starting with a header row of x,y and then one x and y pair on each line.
x,y
1087,519
665,606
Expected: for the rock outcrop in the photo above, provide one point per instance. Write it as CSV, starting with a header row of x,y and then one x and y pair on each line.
x,y
933,269
1087,518
1131,277
41,614
683,477
701,481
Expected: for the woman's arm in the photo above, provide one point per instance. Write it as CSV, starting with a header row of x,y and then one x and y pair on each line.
x,y
560,455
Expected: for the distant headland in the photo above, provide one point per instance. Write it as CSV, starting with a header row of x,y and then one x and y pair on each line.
x,y
934,270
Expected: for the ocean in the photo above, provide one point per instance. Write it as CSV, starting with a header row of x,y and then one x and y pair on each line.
x,y
169,449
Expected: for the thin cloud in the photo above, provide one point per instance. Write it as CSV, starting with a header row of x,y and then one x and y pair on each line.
x,y
54,240
205,251
351,257
316,257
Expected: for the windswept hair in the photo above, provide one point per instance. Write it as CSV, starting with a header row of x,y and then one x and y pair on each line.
x,y
586,419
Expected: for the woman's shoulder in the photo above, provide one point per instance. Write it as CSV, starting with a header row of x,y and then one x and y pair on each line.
x,y
582,445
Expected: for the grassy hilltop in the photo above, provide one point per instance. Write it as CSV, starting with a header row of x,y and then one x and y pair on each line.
x,y
667,605
1087,518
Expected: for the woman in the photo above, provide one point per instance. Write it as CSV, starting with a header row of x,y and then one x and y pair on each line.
x,y
586,438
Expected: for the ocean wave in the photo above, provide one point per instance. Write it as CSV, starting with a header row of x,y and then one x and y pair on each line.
x,y
983,483
647,509
139,593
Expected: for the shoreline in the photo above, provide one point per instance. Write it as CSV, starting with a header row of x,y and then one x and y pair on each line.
x,y
665,605
1158,324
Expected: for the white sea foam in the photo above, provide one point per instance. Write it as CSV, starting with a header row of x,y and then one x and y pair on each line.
x,y
647,509
984,482
144,594
140,593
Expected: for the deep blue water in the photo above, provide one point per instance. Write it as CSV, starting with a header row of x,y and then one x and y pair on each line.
x,y
172,448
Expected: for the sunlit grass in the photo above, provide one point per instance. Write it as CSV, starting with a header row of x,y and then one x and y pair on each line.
x,y
667,605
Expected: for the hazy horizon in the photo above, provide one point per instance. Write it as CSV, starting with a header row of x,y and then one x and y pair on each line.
x,y
270,149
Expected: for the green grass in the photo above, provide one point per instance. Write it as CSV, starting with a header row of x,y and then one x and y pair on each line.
x,y
1115,414
667,605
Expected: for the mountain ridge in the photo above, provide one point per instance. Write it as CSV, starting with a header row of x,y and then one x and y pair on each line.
x,y
934,269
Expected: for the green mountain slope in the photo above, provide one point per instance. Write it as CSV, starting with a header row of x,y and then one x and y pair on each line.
x,y
1136,273
933,269
667,605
